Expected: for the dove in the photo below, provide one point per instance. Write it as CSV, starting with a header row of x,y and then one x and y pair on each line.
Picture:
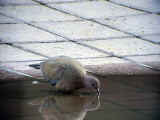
x,y
67,74
66,107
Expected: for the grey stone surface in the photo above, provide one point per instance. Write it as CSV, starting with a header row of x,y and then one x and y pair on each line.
x,y
152,60
35,13
137,25
24,33
96,9
59,1
126,46
81,30
146,5
153,38
4,19
17,2
101,61
64,48
9,53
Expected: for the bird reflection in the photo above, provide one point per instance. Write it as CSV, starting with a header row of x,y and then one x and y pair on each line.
x,y
66,107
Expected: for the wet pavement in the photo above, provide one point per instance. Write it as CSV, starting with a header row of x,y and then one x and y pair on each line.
x,y
122,97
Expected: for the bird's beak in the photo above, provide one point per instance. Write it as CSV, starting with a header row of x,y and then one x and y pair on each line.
x,y
97,90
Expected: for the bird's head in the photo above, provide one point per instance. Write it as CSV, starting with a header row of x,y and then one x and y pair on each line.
x,y
92,82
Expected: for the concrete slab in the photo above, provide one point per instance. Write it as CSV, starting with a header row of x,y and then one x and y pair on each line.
x,y
82,30
126,46
64,48
9,53
59,1
96,9
17,2
152,60
21,33
138,25
152,6
155,38
4,19
35,13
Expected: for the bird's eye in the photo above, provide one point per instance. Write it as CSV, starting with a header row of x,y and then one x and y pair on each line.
x,y
92,84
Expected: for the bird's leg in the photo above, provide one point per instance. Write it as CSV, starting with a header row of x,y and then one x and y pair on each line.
x,y
55,90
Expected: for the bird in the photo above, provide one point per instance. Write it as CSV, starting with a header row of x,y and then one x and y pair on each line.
x,y
66,74
66,107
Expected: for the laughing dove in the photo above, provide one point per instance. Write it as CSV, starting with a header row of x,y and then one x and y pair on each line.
x,y
67,74
66,107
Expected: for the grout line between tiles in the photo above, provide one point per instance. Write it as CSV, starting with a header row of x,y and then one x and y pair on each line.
x,y
131,7
130,109
71,40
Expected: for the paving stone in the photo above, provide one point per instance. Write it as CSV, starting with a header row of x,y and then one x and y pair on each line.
x,y
82,30
155,38
154,113
17,2
8,76
64,48
35,13
146,5
138,25
24,33
146,83
101,61
9,53
115,115
59,1
4,19
151,60
22,66
126,46
96,9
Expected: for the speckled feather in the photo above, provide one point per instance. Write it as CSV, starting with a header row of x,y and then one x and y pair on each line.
x,y
65,73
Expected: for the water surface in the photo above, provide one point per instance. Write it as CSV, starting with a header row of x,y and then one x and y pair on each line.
x,y
122,98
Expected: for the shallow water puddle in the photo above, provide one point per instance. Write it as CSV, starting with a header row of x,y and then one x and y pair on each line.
x,y
122,97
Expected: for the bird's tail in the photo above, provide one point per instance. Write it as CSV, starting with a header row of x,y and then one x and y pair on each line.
x,y
36,66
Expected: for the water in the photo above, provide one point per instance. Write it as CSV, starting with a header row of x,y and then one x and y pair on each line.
x,y
122,98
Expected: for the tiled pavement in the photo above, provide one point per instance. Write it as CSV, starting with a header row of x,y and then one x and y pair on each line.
x,y
103,35
110,37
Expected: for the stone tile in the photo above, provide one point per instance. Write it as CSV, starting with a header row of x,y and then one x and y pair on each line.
x,y
145,82
146,5
138,25
152,60
4,19
114,90
24,33
154,113
155,38
96,9
8,76
35,13
140,104
59,1
115,115
114,66
109,106
126,46
81,30
64,48
17,2
22,66
9,53
101,61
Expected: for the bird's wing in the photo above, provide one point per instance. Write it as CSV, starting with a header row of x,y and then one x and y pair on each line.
x,y
52,71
